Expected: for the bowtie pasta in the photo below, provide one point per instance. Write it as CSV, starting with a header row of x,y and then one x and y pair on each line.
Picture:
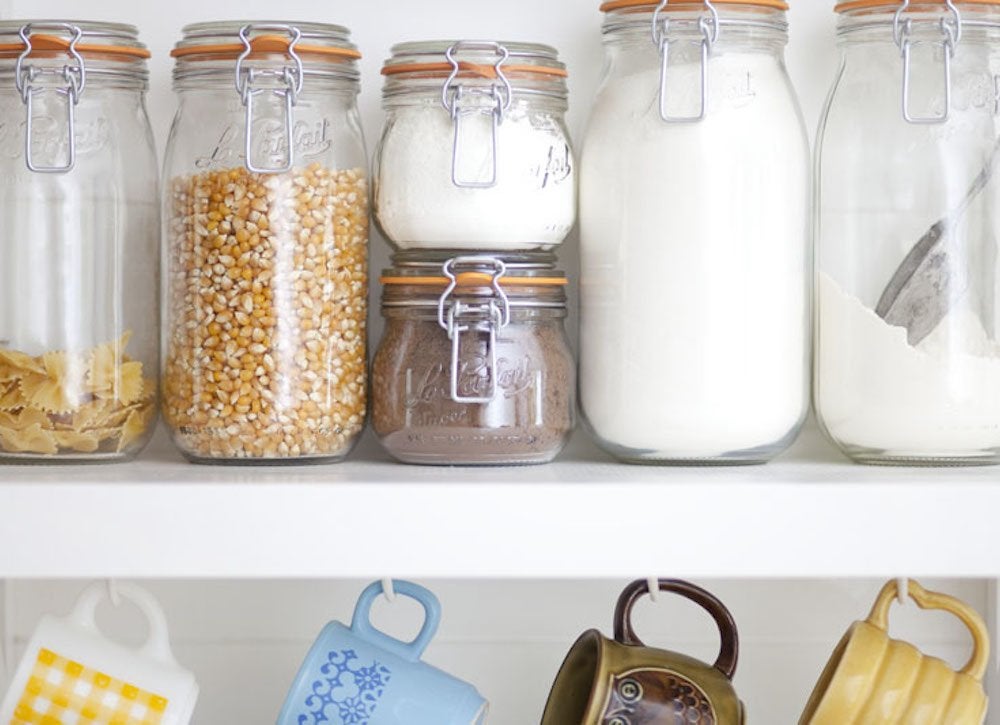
x,y
66,403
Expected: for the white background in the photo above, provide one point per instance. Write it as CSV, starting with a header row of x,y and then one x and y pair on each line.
x,y
245,639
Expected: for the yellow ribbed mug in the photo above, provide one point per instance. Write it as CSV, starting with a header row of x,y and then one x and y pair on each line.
x,y
875,680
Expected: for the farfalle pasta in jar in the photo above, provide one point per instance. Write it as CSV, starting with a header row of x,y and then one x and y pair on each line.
x,y
79,236
266,206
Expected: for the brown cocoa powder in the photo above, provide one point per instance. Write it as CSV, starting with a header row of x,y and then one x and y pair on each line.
x,y
528,420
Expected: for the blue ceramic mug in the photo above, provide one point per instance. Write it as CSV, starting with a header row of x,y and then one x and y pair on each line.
x,y
358,675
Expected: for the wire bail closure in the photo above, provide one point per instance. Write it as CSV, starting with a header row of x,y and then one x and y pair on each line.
x,y
708,25
951,31
75,77
450,318
464,103
293,77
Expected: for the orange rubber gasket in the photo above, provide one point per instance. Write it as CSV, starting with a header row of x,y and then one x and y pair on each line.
x,y
46,45
622,4
476,279
865,4
479,69
265,44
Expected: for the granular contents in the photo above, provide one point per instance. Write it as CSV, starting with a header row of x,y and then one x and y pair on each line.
x,y
267,294
96,403
528,421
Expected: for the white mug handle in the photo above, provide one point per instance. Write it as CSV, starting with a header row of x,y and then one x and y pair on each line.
x,y
157,645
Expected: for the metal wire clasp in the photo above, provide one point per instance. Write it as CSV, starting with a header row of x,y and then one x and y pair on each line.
x,y
74,75
293,77
708,25
487,318
951,31
465,103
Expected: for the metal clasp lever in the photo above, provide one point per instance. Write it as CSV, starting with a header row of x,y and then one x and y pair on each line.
x,y
75,77
292,76
951,30
497,316
708,25
465,106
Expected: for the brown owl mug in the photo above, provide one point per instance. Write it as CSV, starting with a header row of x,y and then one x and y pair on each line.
x,y
624,682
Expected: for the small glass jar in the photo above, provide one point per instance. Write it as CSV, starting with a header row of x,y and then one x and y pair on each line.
x,y
475,153
79,243
907,359
266,210
474,367
695,237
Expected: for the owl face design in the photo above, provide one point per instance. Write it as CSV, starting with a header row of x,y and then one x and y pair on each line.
x,y
656,697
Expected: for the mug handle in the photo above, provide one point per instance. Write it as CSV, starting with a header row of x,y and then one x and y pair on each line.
x,y
625,634
157,644
976,666
361,624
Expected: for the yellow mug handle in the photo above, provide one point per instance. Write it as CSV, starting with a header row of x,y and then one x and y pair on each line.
x,y
976,666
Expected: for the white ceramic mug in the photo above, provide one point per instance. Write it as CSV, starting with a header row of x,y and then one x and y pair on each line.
x,y
72,673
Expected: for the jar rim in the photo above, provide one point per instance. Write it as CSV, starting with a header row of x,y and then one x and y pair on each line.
x,y
891,6
614,5
50,38
529,280
439,59
228,40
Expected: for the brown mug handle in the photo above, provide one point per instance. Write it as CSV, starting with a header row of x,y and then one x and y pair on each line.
x,y
625,634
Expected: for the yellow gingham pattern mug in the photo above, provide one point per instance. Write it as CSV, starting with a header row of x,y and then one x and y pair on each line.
x,y
72,675
61,691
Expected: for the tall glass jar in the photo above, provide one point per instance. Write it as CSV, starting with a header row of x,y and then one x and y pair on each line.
x,y
266,208
475,367
475,153
695,227
79,243
907,360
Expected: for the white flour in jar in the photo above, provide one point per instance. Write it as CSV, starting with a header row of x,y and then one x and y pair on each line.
x,y
532,205
876,391
694,307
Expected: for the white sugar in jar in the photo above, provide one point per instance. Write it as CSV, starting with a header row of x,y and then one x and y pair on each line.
x,y
475,153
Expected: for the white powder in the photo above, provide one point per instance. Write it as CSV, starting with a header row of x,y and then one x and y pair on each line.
x,y
876,391
532,205
694,314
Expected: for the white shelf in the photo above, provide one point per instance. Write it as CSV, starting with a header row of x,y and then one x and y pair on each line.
x,y
811,513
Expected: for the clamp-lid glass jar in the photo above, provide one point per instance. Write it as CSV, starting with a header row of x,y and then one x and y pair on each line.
x,y
79,243
907,358
474,367
695,236
475,153
266,211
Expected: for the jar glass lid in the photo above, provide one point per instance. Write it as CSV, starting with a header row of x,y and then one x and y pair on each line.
x,y
422,280
912,5
520,66
613,5
56,39
316,45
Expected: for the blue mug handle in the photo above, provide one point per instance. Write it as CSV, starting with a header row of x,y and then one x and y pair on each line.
x,y
361,624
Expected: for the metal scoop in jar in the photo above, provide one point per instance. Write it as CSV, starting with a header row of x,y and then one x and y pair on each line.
x,y
937,271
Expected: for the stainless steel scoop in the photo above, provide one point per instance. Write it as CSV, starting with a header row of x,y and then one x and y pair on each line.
x,y
938,270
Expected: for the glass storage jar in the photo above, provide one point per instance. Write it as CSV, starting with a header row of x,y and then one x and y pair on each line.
x,y
79,243
695,236
266,210
474,367
907,359
475,153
